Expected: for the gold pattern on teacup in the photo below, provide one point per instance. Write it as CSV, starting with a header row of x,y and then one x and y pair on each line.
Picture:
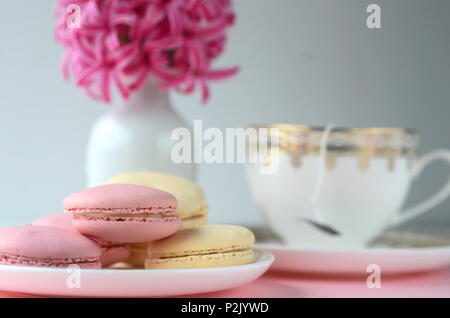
x,y
363,144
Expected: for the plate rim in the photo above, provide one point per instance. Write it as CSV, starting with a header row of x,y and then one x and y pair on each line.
x,y
436,258
367,251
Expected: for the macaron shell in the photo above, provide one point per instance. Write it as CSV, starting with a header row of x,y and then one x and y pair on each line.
x,y
191,198
205,239
46,242
202,261
61,220
110,255
114,255
128,231
120,196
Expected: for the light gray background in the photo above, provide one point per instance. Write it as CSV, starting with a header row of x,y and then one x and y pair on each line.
x,y
303,61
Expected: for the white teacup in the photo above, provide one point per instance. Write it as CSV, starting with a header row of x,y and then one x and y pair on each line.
x,y
356,183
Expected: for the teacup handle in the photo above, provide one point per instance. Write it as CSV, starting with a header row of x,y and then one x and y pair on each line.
x,y
436,199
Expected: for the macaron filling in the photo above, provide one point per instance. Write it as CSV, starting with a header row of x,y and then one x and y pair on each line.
x,y
10,259
137,210
123,215
231,251
106,245
109,245
193,217
245,256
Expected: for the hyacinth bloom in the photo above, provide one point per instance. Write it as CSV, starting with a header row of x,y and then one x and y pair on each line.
x,y
119,43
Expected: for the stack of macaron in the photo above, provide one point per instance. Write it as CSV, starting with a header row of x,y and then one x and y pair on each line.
x,y
196,244
150,220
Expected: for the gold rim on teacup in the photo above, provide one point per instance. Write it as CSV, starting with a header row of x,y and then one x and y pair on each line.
x,y
298,141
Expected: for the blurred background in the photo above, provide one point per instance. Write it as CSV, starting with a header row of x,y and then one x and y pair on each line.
x,y
302,61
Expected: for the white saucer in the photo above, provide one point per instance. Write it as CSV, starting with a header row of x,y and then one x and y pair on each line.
x,y
131,283
354,262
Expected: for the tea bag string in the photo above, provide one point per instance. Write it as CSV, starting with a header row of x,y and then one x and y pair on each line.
x,y
321,169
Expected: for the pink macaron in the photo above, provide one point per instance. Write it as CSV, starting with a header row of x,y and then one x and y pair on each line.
x,y
62,221
111,252
123,213
45,246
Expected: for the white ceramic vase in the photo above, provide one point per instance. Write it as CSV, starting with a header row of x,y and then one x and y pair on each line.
x,y
135,136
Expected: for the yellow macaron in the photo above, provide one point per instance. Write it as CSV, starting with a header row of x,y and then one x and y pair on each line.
x,y
205,246
192,206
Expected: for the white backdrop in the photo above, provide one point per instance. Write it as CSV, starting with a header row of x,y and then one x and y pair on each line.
x,y
303,61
